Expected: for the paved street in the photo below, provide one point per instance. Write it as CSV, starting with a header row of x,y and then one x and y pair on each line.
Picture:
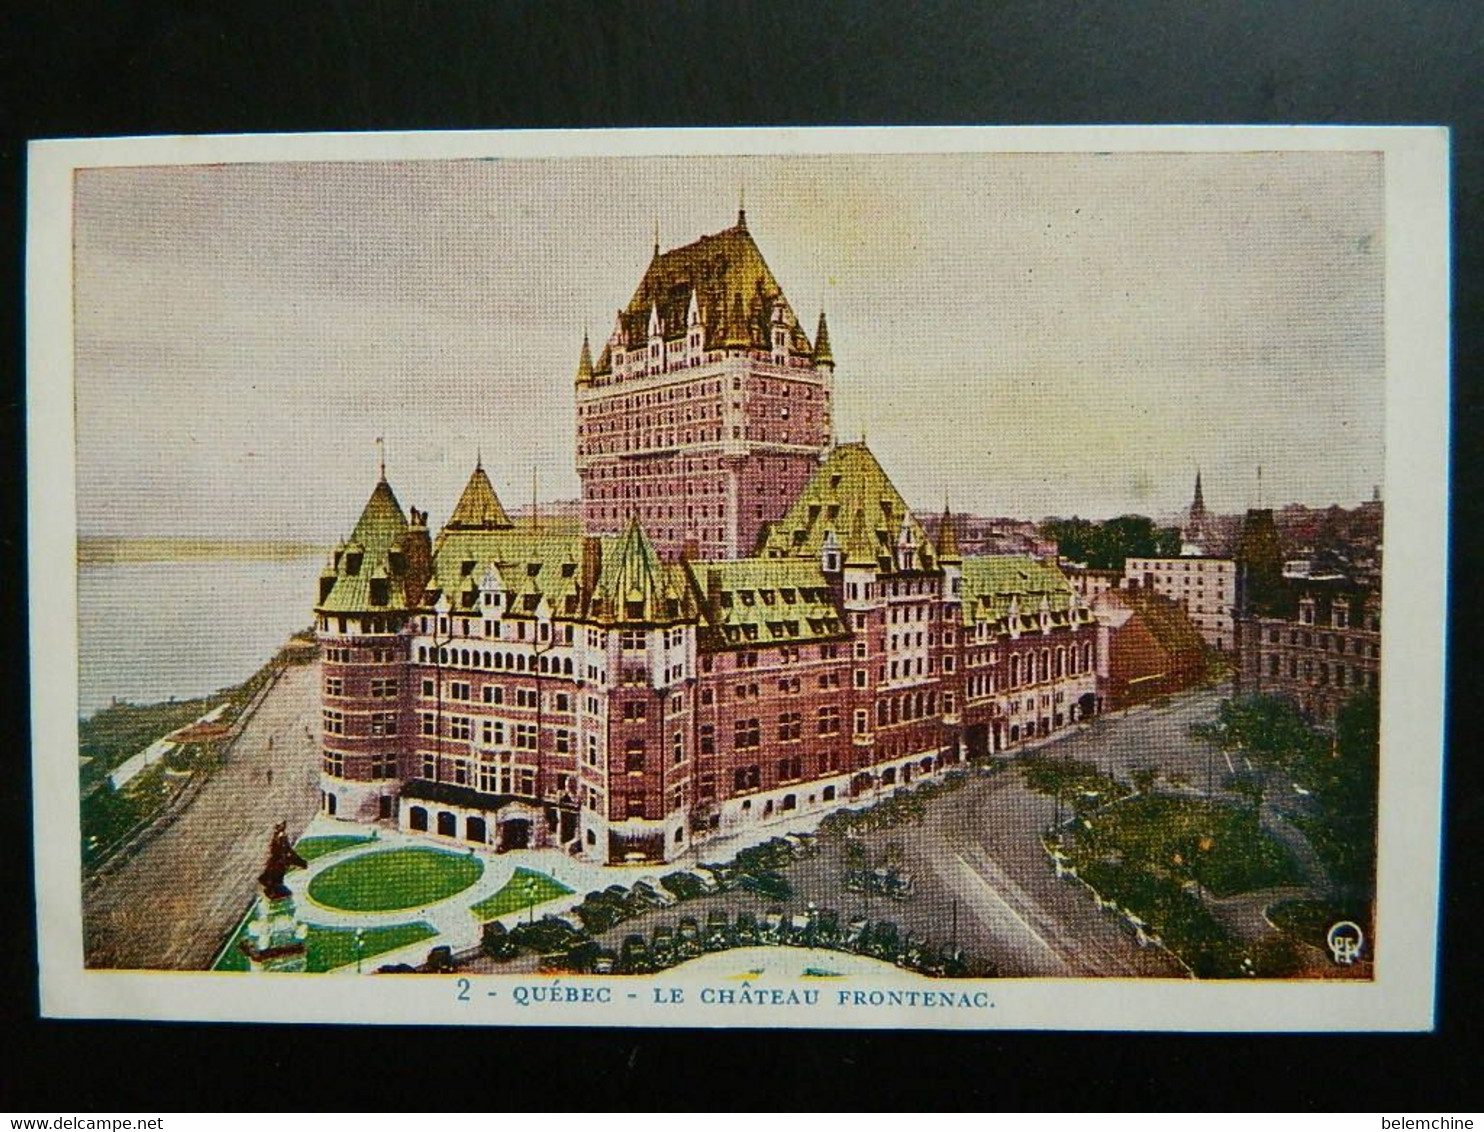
x,y
981,874
171,904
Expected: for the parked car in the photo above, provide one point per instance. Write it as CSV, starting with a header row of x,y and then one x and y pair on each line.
x,y
746,931
718,930
633,956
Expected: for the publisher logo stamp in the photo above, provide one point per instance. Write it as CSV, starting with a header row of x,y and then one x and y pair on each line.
x,y
1345,942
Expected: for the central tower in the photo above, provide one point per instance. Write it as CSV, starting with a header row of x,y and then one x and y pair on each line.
x,y
708,408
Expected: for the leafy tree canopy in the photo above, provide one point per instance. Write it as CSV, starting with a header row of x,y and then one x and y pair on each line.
x,y
1105,546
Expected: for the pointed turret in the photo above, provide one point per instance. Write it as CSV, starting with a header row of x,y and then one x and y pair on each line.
x,y
382,520
356,578
585,363
822,355
478,508
948,540
635,585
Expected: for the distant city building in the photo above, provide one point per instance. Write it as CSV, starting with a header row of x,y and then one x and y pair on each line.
x,y
1089,582
708,408
981,535
1206,588
1148,647
1319,645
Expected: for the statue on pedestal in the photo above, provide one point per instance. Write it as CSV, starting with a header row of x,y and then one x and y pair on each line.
x,y
275,937
281,858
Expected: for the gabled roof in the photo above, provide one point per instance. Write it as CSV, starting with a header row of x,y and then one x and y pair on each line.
x,y
634,586
764,601
994,583
851,495
478,508
531,566
734,289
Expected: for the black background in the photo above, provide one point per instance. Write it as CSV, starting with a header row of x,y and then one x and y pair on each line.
x,y
77,69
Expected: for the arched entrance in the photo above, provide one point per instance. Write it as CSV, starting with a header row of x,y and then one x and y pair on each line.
x,y
976,739
1087,704
448,825
417,819
474,830
515,833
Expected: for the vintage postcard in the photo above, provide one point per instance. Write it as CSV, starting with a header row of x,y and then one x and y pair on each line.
x,y
954,578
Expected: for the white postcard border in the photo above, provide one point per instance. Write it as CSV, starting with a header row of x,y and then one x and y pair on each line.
x,y
1416,429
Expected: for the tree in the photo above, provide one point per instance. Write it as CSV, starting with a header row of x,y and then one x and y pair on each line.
x,y
1343,776
1268,732
1105,546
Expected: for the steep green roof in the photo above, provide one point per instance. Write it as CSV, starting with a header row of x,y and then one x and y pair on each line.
x,y
366,573
763,601
635,586
734,290
852,496
382,520
478,508
528,567
993,584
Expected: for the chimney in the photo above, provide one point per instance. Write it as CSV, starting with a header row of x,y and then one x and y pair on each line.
x,y
592,563
417,551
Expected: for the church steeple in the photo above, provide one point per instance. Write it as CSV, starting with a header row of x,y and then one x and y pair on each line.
x,y
1198,504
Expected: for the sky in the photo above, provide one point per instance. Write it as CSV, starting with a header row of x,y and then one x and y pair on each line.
x,y
1021,334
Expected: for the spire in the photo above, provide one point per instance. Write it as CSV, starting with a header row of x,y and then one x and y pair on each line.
x,y
381,456
634,580
948,539
585,363
822,355
478,508
382,521
1198,504
656,237
742,204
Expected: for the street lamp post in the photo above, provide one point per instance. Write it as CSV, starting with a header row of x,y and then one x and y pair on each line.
x,y
360,937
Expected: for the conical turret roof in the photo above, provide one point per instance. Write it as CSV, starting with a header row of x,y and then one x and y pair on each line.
x,y
948,540
382,522
635,584
585,363
478,508
822,355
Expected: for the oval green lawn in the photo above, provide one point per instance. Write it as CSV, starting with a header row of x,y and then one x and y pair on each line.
x,y
394,879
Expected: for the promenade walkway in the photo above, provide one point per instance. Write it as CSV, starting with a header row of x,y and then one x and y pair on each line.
x,y
170,904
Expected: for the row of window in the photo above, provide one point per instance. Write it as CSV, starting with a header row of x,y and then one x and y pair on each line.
x,y
1321,672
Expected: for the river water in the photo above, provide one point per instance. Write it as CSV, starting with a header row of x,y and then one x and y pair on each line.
x,y
151,631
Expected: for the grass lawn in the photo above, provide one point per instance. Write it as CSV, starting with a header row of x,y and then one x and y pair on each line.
x,y
394,879
312,847
517,894
1185,839
335,947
